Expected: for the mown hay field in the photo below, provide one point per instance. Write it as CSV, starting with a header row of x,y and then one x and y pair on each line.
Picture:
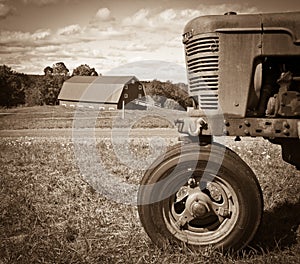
x,y
58,117
50,214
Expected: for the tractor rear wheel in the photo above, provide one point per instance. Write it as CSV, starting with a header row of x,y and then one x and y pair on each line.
x,y
200,196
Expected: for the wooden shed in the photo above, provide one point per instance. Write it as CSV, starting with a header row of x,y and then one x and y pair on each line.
x,y
102,92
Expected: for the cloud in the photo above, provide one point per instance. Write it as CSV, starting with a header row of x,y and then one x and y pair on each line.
x,y
104,14
152,69
108,33
69,30
164,21
41,35
175,19
35,59
5,10
168,15
41,2
147,34
157,29
223,8
111,32
19,39
139,19
102,17
69,35
131,46
14,50
48,49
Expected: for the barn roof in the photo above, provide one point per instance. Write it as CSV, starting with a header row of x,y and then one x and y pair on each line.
x,y
94,88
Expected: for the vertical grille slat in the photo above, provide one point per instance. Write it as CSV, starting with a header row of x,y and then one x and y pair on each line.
x,y
202,57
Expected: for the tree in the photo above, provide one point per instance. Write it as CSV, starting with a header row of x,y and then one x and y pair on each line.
x,y
161,91
85,70
11,87
60,68
48,70
33,92
51,87
5,72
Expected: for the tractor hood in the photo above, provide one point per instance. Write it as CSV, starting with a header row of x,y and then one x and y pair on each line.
x,y
276,22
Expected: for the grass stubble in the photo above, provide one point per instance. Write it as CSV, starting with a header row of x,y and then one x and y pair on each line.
x,y
49,214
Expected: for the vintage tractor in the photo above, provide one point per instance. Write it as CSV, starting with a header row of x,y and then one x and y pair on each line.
x,y
244,79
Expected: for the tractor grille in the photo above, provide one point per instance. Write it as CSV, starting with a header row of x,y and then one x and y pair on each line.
x,y
202,57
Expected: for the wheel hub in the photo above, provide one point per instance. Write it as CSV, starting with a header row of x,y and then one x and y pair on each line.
x,y
197,204
199,209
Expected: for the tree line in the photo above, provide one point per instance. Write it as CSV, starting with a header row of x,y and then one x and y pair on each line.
x,y
168,94
29,90
60,68
18,89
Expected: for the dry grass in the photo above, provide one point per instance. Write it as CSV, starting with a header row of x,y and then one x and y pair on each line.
x,y
49,214
49,117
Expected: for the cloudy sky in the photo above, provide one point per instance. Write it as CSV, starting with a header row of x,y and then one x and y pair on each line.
x,y
139,37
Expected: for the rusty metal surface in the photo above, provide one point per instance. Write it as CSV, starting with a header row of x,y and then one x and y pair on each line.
x,y
253,127
263,127
212,23
275,22
237,54
222,53
290,104
287,23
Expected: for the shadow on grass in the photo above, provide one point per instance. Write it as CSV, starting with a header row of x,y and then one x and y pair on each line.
x,y
279,228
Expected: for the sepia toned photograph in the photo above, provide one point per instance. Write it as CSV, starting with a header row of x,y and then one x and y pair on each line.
x,y
149,131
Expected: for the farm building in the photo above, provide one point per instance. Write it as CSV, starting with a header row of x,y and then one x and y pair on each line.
x,y
101,92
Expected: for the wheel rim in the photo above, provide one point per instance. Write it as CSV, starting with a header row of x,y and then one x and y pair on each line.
x,y
201,217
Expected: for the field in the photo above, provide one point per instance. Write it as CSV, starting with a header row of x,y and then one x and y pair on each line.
x,y
55,117
50,214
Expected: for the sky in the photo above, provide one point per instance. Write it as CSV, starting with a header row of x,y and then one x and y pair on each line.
x,y
116,37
